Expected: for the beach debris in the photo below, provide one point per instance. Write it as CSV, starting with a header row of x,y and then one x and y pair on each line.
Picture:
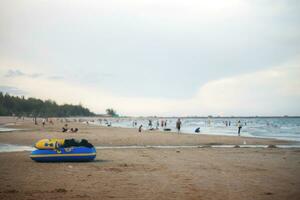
x,y
60,190
272,146
177,151
236,146
82,196
70,166
114,169
215,143
205,146
245,142
268,193
11,191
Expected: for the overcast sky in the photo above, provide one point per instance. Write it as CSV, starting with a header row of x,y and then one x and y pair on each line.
x,y
153,57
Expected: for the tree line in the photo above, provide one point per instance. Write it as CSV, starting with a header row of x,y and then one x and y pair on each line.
x,y
111,112
33,107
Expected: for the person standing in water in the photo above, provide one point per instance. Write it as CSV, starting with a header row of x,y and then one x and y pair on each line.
x,y
150,123
178,125
239,125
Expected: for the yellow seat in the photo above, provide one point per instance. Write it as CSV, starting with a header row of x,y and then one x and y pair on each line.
x,y
49,143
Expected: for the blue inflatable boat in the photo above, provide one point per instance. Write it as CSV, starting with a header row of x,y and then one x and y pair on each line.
x,y
72,154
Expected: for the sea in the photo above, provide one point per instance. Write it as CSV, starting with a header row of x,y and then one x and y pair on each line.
x,y
286,128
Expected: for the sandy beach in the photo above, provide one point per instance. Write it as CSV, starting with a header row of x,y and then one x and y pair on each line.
x,y
196,173
150,100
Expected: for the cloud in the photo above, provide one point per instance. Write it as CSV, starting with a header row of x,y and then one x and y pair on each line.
x,y
35,75
94,77
12,90
55,77
17,73
274,91
14,73
148,45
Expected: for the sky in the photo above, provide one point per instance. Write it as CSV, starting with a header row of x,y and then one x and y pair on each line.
x,y
153,57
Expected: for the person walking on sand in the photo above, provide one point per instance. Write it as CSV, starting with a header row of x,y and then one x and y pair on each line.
x,y
239,125
178,125
140,128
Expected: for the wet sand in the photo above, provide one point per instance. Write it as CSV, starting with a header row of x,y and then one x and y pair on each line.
x,y
199,173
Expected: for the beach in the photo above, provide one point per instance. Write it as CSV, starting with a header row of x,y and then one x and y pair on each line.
x,y
150,100
150,173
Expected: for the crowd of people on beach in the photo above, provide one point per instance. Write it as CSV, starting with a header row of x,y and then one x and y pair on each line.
x,y
159,123
71,130
65,128
163,124
151,125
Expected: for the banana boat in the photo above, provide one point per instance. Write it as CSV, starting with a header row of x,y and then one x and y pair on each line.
x,y
61,150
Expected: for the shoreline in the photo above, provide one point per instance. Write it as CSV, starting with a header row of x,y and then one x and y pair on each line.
x,y
125,136
217,127
206,134
27,126
11,122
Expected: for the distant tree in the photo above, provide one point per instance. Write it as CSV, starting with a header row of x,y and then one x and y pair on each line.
x,y
111,112
14,105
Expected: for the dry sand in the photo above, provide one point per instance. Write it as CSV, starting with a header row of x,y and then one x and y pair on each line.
x,y
199,173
